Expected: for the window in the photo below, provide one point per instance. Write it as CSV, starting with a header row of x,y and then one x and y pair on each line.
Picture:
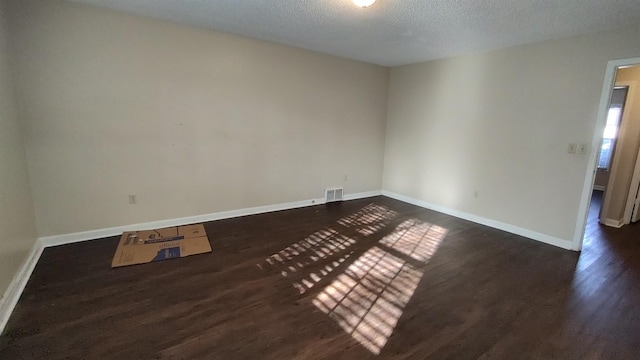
x,y
612,127
610,132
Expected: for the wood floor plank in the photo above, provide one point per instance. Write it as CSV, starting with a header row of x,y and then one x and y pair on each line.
x,y
364,279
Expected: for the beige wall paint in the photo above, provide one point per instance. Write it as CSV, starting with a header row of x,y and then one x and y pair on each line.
x,y
17,219
626,148
190,120
499,123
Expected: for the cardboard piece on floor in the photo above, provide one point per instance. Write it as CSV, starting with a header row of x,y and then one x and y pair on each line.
x,y
140,247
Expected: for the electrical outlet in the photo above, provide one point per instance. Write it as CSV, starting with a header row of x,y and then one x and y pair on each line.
x,y
582,148
132,199
345,178
572,148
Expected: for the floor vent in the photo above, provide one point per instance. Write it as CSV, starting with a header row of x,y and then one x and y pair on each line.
x,y
333,195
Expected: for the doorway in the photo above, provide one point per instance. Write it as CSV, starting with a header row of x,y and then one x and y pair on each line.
x,y
609,148
612,70
606,153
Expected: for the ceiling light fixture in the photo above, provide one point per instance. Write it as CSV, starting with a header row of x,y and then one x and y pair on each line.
x,y
364,3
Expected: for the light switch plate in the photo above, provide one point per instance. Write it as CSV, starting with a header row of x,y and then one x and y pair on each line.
x,y
582,148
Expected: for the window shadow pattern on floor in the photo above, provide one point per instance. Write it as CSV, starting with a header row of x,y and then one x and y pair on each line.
x,y
367,298
328,246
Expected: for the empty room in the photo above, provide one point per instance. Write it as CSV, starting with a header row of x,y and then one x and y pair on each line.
x,y
320,179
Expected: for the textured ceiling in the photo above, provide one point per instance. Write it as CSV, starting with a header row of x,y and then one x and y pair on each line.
x,y
392,32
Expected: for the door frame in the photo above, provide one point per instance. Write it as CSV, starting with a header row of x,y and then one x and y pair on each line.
x,y
635,182
596,141
631,196
615,163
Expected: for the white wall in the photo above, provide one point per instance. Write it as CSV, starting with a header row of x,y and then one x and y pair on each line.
x,y
499,124
16,209
192,121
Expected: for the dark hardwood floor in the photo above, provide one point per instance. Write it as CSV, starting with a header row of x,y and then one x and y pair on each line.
x,y
371,278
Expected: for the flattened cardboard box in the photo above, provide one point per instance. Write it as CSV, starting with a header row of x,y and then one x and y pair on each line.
x,y
141,247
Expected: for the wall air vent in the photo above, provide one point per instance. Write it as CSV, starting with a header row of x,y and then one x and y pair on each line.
x,y
333,195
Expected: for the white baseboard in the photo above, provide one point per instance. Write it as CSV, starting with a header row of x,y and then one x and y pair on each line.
x,y
55,240
613,223
19,281
11,296
599,187
547,239
362,195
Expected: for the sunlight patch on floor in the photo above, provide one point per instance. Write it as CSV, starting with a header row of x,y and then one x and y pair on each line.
x,y
404,239
370,219
368,299
328,247
321,245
